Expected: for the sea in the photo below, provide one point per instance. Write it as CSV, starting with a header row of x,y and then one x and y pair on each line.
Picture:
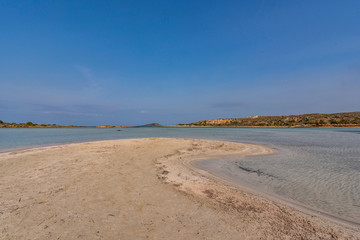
x,y
318,168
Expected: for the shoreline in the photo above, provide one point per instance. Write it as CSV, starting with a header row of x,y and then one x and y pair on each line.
x,y
191,164
212,175
44,146
170,160
296,127
275,197
220,180
190,126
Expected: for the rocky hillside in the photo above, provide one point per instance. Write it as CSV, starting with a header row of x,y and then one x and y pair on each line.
x,y
351,119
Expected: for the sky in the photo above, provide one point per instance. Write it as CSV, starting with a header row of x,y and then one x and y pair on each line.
x,y
138,62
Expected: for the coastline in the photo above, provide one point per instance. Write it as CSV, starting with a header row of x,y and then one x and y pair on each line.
x,y
194,126
92,171
221,180
222,126
274,197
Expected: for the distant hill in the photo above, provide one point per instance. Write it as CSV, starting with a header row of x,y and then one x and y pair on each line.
x,y
146,125
349,119
151,125
29,125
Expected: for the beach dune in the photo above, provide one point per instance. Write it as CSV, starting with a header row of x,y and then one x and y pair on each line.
x,y
142,189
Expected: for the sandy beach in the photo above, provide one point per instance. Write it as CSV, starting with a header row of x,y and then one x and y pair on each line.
x,y
143,189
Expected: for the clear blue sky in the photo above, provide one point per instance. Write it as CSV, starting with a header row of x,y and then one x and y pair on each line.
x,y
136,62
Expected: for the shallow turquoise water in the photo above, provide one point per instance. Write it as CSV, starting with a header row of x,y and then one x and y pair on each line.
x,y
315,167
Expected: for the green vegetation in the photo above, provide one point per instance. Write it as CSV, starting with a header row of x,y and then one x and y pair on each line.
x,y
27,125
351,119
30,124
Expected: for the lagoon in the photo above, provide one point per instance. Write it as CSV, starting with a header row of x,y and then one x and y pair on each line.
x,y
315,167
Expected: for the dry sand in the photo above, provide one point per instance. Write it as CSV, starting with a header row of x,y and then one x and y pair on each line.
x,y
142,189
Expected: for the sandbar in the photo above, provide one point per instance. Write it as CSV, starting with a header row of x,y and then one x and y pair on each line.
x,y
142,189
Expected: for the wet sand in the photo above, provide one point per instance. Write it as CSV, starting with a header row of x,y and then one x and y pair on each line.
x,y
142,189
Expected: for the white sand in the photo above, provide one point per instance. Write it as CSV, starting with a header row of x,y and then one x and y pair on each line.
x,y
141,189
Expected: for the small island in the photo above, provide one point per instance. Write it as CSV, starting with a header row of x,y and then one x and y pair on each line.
x,y
140,126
